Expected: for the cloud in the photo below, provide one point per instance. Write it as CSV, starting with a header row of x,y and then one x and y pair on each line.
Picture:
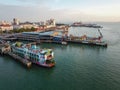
x,y
33,0
39,1
24,13
27,13
30,13
38,14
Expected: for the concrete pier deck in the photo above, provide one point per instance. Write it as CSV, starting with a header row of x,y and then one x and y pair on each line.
x,y
22,60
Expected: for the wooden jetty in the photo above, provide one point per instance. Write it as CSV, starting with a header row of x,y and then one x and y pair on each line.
x,y
22,60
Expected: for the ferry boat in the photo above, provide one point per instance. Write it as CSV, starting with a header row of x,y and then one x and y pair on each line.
x,y
41,57
80,24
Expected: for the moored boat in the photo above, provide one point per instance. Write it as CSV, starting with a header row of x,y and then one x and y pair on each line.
x,y
41,57
80,24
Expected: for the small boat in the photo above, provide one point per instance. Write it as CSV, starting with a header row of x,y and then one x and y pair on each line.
x,y
41,57
64,43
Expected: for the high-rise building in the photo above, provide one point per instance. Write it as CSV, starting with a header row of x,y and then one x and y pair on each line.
x,y
16,21
42,23
51,22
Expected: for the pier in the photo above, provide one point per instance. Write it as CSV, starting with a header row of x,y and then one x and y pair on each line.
x,y
54,37
87,43
22,60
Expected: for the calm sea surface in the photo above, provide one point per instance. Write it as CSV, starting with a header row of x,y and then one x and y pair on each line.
x,y
78,67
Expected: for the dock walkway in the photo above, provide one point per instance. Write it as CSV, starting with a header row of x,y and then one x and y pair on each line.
x,y
22,60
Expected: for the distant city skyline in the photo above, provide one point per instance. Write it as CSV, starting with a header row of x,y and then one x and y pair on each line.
x,y
60,10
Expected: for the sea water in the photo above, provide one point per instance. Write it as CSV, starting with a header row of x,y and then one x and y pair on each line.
x,y
78,67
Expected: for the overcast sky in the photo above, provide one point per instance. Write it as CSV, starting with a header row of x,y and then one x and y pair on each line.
x,y
60,10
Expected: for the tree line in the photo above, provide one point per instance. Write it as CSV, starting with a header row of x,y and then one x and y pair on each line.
x,y
19,30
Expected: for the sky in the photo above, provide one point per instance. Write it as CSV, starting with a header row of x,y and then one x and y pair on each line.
x,y
61,10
